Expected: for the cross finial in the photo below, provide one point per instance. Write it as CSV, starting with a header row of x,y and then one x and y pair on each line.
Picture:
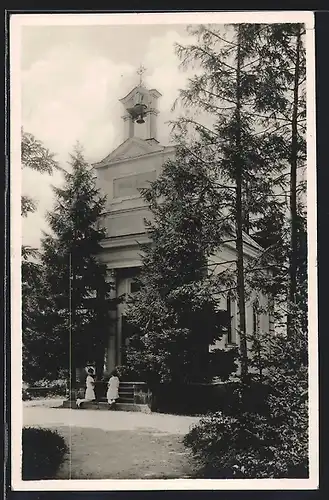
x,y
141,70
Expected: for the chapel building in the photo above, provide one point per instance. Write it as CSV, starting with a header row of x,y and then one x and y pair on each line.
x,y
131,166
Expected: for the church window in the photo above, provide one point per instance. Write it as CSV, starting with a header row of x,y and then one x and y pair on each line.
x,y
226,315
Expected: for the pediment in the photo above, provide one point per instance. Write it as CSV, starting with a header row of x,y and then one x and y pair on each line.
x,y
131,148
153,92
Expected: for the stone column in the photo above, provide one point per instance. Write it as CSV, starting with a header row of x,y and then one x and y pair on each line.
x,y
111,346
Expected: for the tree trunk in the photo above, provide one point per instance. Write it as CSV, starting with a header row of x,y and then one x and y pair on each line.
x,y
239,225
293,192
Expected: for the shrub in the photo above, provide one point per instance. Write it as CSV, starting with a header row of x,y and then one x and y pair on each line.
x,y
43,453
251,445
44,389
193,399
258,439
51,384
226,448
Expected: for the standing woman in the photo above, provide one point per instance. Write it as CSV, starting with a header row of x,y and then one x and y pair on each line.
x,y
90,385
113,388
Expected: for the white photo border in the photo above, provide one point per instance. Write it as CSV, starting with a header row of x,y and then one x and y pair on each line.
x,y
16,23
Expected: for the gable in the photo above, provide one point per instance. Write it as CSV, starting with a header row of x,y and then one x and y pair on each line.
x,y
131,148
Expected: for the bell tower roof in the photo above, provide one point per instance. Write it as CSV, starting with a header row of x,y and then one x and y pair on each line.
x,y
140,105
140,88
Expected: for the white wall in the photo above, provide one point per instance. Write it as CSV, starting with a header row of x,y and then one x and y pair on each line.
x,y
126,214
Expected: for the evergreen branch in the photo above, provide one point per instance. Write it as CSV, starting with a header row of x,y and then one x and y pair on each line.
x,y
222,186
192,122
301,81
213,57
230,289
273,116
221,273
217,96
225,261
251,62
271,129
198,157
221,38
207,105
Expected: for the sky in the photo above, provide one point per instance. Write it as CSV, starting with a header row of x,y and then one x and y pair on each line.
x,y
72,78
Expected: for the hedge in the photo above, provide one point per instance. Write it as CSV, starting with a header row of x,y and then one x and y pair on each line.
x,y
43,453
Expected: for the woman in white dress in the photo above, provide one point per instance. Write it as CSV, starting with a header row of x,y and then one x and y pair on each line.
x,y
113,388
90,384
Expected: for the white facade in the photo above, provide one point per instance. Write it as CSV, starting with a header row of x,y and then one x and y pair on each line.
x,y
129,167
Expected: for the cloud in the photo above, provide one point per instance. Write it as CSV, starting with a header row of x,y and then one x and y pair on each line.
x,y
68,97
73,93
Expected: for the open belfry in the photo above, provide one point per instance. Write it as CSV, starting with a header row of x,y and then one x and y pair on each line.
x,y
136,162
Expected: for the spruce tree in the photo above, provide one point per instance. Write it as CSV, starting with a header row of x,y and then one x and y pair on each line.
x,y
245,154
280,102
175,314
76,300
276,106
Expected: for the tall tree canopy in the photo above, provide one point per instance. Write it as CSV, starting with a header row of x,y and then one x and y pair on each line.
x,y
75,300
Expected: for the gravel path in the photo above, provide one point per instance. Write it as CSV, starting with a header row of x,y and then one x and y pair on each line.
x,y
117,445
107,420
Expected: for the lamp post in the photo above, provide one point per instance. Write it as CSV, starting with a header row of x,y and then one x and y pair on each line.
x,y
72,319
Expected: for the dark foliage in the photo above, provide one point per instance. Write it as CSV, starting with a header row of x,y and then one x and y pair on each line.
x,y
261,440
43,453
75,301
175,315
36,156
247,446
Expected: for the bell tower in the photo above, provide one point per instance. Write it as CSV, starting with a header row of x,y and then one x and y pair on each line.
x,y
141,111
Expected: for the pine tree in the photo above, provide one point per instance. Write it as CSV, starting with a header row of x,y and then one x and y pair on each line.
x,y
175,313
280,102
276,103
245,154
76,301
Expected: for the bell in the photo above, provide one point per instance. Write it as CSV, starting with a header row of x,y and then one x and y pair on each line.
x,y
140,119
139,110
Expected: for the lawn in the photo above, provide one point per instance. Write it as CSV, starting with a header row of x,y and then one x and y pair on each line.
x,y
124,454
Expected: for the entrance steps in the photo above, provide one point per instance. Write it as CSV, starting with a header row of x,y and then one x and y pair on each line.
x,y
133,396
